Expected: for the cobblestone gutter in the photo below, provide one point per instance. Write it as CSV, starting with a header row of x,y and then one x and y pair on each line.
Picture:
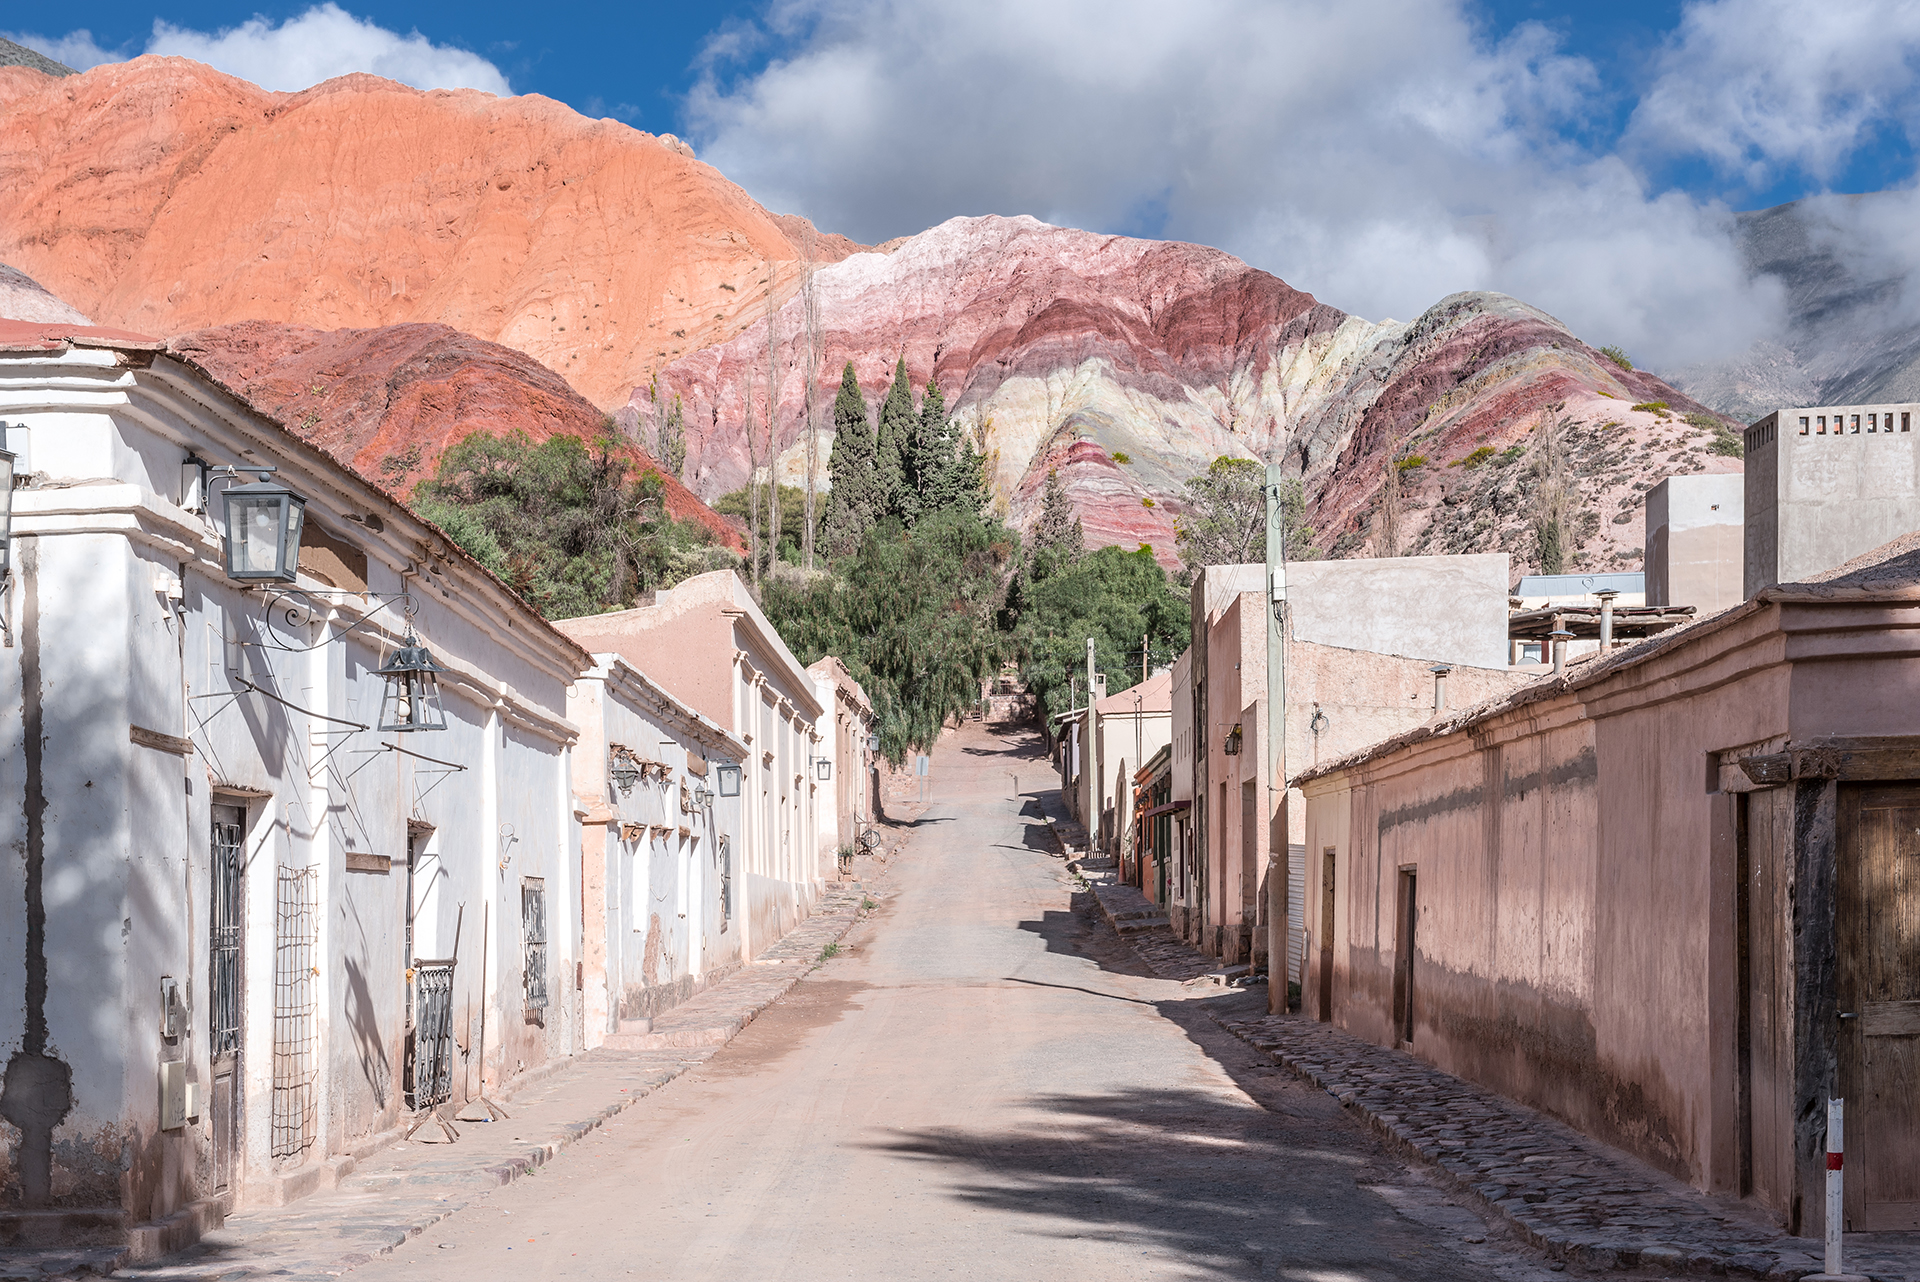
x,y
1576,1199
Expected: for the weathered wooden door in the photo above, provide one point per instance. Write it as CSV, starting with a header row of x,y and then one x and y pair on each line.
x,y
225,1006
1878,985
1326,933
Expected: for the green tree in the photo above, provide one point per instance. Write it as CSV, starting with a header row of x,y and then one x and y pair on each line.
x,y
851,502
1226,518
912,615
1113,596
565,522
895,447
1057,534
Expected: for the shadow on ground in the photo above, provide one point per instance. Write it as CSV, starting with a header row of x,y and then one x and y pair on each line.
x,y
1226,1187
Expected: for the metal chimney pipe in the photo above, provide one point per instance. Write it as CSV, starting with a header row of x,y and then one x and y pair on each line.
x,y
1606,619
1440,671
1559,637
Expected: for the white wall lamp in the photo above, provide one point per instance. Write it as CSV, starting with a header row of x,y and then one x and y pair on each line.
x,y
702,796
727,775
411,700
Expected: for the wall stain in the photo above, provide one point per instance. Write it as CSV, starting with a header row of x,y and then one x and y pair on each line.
x,y
37,1092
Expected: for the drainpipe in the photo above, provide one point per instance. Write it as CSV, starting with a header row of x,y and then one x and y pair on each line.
x,y
1606,619
1440,671
1559,636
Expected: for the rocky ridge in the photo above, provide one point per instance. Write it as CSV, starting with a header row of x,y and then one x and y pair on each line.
x,y
1128,365
389,401
163,196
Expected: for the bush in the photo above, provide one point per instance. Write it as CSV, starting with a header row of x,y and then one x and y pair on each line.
x,y
1705,422
1121,456
1476,458
1411,461
1509,456
1660,408
1617,356
1146,502
1728,443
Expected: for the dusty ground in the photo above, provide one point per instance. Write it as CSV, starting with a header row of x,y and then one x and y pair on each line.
x,y
984,1084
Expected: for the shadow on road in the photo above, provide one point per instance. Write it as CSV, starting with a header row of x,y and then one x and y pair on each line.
x,y
1227,1188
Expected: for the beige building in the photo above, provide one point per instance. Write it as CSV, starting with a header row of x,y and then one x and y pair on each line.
x,y
852,776
706,642
1661,897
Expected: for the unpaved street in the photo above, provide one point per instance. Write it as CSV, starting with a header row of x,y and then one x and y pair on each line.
x,y
984,1084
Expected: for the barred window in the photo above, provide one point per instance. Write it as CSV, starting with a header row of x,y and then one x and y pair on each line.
x,y
533,921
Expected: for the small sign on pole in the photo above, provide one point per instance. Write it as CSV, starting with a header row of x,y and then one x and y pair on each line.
x,y
920,773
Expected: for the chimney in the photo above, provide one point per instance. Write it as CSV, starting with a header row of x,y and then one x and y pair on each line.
x,y
1440,671
1606,619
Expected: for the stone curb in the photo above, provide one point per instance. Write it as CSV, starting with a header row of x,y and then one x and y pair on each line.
x,y
1568,1195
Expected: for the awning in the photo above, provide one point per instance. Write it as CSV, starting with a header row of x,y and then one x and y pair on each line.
x,y
1161,810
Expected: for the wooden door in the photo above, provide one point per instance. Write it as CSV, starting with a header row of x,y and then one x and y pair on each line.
x,y
1877,981
1406,916
1326,933
226,937
1764,940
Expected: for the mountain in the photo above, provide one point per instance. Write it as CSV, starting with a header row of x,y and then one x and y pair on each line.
x,y
1128,365
162,196
390,400
24,298
1851,336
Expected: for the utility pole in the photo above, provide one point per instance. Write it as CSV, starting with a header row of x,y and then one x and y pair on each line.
x,y
1143,658
1277,855
1094,764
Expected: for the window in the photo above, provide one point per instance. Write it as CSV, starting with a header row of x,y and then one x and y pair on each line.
x,y
1906,421
533,921
1856,425
726,881
1803,425
227,928
1873,422
1821,430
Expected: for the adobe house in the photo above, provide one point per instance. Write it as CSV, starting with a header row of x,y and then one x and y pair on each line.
x,y
849,757
262,911
1666,896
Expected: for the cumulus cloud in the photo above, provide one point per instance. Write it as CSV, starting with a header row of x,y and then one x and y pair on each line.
x,y
1380,153
324,42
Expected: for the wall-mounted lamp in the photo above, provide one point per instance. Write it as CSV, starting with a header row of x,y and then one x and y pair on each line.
x,y
702,796
624,771
873,742
7,460
727,776
1232,745
822,768
263,530
1319,723
412,697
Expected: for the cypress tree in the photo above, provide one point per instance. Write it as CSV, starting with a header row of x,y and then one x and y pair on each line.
x,y
1058,534
851,505
895,450
934,470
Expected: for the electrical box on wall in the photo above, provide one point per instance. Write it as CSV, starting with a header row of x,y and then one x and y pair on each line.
x,y
173,1008
173,1095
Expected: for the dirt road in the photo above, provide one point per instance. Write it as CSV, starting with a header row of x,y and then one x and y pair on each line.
x,y
984,1084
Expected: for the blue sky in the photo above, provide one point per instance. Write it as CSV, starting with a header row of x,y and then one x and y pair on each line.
x,y
1379,153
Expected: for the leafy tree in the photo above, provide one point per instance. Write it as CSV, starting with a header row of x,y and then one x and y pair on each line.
x,y
1113,596
564,522
793,511
852,506
1226,518
1057,535
911,615
895,448
669,443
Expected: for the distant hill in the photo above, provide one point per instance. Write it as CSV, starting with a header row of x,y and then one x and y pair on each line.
x,y
13,55
162,196
1851,336
1129,365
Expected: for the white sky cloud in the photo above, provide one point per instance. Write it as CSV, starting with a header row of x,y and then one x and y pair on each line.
x,y
324,42
1379,153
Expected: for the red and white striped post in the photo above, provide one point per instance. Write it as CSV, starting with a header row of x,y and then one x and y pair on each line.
x,y
1835,1270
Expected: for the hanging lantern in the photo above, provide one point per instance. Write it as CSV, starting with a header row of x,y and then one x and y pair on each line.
x,y
702,796
412,698
728,777
624,770
263,532
823,768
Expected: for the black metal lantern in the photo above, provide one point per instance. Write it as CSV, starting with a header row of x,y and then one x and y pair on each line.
x,y
624,770
6,515
873,742
702,796
263,532
728,777
823,768
412,697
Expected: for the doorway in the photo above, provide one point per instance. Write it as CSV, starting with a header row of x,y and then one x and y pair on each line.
x,y
226,939
1877,984
1406,914
1326,934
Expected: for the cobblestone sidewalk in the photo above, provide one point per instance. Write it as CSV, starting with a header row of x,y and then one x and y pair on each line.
x,y
402,1188
1577,1199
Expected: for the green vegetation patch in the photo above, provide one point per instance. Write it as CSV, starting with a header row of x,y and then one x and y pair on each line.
x,y
1476,458
1617,356
1410,462
1660,408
